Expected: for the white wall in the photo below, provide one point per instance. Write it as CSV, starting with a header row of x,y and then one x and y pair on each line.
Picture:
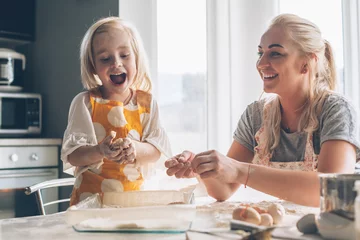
x,y
234,31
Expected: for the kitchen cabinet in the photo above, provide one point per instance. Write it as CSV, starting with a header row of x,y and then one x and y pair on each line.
x,y
25,162
17,20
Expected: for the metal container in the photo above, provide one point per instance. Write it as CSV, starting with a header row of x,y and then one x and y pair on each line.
x,y
337,194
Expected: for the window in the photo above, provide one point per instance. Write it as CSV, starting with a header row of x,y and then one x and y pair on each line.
x,y
181,82
327,15
203,53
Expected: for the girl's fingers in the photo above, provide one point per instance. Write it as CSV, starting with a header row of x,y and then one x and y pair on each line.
x,y
126,143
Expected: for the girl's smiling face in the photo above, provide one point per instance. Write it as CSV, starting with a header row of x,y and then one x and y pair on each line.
x,y
280,64
114,60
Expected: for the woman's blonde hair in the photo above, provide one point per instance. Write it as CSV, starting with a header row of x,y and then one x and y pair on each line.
x,y
89,79
306,36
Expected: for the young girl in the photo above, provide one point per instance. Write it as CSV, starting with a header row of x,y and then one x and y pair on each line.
x,y
113,131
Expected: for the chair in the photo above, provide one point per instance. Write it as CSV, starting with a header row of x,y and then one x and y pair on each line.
x,y
37,188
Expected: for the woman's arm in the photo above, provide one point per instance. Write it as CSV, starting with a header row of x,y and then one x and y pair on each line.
x,y
295,186
336,156
218,189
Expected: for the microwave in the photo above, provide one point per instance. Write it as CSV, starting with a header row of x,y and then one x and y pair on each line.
x,y
20,114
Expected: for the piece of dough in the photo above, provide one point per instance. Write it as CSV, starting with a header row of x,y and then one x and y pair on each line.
x,y
247,214
277,211
266,220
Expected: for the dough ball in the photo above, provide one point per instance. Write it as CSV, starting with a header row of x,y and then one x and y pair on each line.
x,y
266,220
277,211
247,214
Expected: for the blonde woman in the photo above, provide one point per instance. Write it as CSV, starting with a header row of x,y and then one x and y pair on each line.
x,y
113,131
283,141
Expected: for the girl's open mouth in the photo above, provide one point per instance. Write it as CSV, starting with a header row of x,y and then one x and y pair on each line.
x,y
118,79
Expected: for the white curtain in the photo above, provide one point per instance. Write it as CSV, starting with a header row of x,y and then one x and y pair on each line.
x,y
234,31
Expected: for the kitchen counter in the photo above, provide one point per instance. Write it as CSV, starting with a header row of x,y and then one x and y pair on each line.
x,y
210,214
30,141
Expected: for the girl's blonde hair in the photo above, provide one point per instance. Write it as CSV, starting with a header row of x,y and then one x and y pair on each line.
x,y
306,36
89,79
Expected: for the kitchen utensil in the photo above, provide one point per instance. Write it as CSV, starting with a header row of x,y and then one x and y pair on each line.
x,y
337,194
230,234
333,226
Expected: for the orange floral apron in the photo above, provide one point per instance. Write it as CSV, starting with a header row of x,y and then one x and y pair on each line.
x,y
107,116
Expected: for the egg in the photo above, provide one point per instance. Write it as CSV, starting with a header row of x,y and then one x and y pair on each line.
x,y
277,211
266,219
247,214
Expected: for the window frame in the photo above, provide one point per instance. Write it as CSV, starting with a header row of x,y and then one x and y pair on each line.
x,y
351,36
232,80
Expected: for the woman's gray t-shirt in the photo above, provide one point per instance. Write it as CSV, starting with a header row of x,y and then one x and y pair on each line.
x,y
338,121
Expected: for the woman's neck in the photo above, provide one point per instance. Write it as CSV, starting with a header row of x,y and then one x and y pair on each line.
x,y
293,104
291,110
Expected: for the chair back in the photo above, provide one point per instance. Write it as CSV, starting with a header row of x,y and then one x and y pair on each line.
x,y
37,188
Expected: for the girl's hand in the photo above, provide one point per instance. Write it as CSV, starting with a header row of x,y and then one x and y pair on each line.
x,y
212,164
107,150
128,151
180,165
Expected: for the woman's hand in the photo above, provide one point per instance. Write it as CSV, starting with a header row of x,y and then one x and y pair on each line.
x,y
212,164
180,165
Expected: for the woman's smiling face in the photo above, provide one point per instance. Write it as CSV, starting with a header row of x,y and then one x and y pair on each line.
x,y
280,64
114,60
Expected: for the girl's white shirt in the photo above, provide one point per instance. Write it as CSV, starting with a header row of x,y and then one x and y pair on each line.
x,y
80,132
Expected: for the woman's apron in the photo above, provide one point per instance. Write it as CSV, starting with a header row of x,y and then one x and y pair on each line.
x,y
308,164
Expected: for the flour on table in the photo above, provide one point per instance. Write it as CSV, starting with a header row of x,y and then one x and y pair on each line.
x,y
106,223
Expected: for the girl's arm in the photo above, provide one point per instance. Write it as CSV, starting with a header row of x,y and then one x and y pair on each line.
x,y
85,156
88,155
146,153
155,140
300,187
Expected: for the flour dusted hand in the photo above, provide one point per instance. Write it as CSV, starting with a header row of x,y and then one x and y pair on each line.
x,y
128,151
117,144
107,150
121,150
